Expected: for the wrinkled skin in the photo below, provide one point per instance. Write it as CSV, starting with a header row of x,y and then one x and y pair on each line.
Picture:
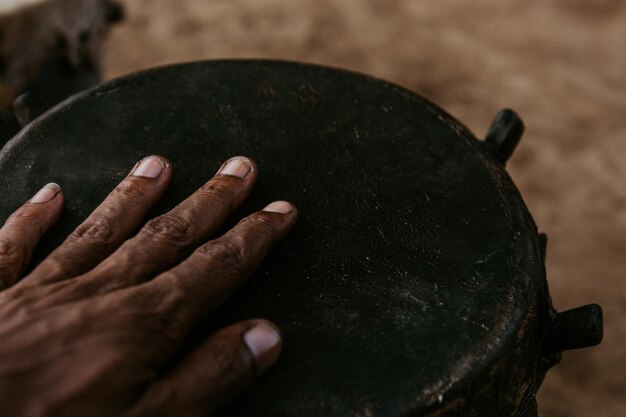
x,y
96,328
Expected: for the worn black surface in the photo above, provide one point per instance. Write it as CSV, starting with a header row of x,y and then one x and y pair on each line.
x,y
413,283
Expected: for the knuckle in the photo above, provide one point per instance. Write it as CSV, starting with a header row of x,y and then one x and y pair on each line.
x,y
171,229
169,301
227,254
130,189
220,187
260,223
12,255
25,214
8,248
98,232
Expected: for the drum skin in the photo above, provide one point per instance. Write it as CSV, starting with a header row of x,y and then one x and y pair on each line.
x,y
413,284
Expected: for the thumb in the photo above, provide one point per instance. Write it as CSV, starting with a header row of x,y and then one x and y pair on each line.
x,y
214,373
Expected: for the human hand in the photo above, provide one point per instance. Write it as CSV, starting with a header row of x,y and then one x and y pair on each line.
x,y
96,328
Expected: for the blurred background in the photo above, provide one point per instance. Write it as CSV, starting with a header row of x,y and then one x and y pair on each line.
x,y
561,64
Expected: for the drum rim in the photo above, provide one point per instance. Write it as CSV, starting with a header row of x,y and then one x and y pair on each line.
x,y
114,83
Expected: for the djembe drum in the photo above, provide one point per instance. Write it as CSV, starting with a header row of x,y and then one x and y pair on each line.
x,y
414,283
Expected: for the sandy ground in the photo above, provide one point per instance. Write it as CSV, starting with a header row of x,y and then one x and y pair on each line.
x,y
561,64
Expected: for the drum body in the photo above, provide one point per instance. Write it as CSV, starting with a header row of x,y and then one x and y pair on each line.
x,y
413,283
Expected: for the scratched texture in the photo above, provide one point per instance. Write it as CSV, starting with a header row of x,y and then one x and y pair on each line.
x,y
561,64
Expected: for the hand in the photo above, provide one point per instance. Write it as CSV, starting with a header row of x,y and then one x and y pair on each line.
x,y
96,328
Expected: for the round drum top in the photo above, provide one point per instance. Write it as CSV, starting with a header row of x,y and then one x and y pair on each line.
x,y
414,263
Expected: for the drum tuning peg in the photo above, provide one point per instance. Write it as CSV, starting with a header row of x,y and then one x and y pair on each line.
x,y
504,134
577,328
543,245
27,107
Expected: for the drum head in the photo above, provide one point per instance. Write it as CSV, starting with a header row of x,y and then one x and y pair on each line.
x,y
407,284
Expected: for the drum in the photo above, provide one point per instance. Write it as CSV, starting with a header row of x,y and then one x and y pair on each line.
x,y
414,282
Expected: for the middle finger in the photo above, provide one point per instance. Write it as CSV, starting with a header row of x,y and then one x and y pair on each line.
x,y
110,224
166,240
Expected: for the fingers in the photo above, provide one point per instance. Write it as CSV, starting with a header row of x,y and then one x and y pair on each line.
x,y
197,285
110,224
215,372
204,280
167,239
22,231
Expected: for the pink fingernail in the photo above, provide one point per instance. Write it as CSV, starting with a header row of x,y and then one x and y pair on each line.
x,y
47,193
150,167
264,343
279,207
237,167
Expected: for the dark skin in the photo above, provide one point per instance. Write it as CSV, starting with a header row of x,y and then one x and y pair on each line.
x,y
94,328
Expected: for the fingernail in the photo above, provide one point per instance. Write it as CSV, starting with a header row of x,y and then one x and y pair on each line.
x,y
264,343
47,193
237,167
150,167
279,207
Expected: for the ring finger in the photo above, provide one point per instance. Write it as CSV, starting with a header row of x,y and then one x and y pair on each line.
x,y
166,240
110,224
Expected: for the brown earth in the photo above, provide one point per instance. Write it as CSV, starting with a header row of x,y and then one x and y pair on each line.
x,y
561,64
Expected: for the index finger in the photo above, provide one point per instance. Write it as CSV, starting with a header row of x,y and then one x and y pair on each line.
x,y
203,281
